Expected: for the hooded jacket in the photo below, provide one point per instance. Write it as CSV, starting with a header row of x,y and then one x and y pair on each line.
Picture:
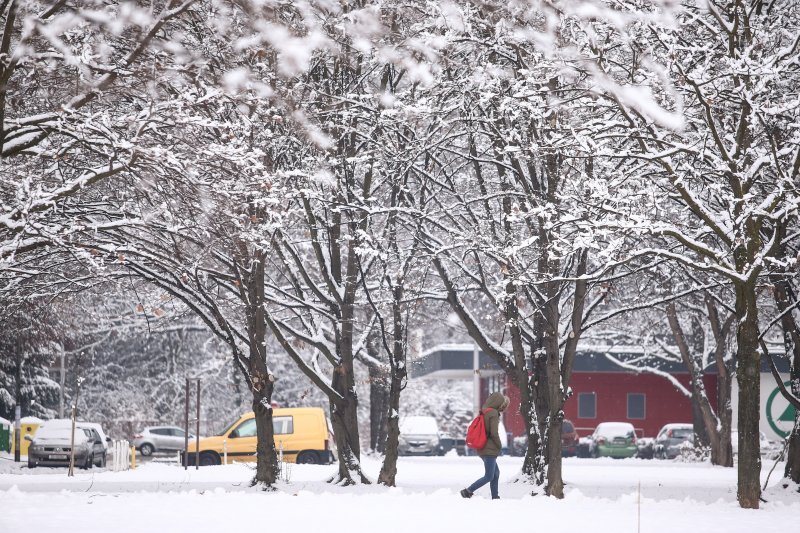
x,y
492,420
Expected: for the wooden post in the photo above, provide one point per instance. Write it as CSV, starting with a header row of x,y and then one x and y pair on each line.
x,y
197,431
186,429
71,471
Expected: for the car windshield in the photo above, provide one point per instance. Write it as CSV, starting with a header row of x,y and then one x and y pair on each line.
x,y
60,433
419,425
227,428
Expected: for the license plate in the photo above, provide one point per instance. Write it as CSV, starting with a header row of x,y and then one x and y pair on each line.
x,y
57,457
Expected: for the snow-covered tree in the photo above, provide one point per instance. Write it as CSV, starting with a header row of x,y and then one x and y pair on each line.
x,y
720,190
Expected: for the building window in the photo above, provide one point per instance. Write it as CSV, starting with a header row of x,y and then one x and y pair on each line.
x,y
587,405
636,406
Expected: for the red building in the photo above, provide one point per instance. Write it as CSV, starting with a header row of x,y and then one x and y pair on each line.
x,y
602,390
647,401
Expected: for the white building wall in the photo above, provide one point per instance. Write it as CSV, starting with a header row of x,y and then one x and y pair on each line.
x,y
772,406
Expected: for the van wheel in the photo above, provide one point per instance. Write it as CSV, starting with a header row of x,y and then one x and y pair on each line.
x,y
209,459
308,458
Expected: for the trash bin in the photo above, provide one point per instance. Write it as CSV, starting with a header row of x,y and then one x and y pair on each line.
x,y
5,435
26,428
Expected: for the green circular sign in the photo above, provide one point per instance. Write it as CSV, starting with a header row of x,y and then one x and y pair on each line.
x,y
785,415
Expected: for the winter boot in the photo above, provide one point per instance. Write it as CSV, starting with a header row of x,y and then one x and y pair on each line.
x,y
465,493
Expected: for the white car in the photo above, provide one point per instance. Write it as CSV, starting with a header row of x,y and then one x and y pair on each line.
x,y
97,427
765,445
419,435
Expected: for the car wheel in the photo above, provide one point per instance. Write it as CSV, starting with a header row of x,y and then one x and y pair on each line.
x,y
308,458
146,449
31,465
209,459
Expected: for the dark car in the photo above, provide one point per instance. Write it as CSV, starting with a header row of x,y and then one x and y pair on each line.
x,y
645,448
451,443
672,439
569,439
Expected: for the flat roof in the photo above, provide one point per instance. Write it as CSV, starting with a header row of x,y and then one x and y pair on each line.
x,y
455,361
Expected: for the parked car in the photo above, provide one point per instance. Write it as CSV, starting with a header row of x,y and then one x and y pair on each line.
x,y
672,439
645,448
450,443
584,447
569,441
767,447
160,439
303,435
99,428
53,443
419,435
613,439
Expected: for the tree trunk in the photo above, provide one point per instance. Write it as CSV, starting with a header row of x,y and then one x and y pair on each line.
x,y
710,429
398,377
555,403
748,375
389,467
533,466
722,453
267,468
378,408
345,432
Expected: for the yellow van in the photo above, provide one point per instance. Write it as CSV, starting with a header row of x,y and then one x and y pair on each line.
x,y
303,433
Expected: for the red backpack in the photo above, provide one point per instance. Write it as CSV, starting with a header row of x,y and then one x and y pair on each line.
x,y
476,432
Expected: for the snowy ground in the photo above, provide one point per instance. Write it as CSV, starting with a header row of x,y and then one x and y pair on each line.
x,y
602,492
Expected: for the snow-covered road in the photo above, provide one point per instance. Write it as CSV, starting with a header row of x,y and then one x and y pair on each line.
x,y
601,493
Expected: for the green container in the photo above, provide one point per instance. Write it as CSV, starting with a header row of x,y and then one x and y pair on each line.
x,y
5,438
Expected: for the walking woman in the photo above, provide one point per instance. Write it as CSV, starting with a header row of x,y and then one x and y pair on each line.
x,y
495,404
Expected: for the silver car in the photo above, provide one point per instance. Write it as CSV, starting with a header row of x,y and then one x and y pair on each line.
x,y
672,439
419,435
160,439
52,445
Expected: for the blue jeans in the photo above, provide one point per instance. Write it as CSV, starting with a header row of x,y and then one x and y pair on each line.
x,y
491,476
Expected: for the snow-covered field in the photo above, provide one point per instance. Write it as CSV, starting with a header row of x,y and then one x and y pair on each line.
x,y
601,495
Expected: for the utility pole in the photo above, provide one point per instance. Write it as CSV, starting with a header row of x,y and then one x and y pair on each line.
x,y
62,375
17,429
71,471
476,380
186,426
